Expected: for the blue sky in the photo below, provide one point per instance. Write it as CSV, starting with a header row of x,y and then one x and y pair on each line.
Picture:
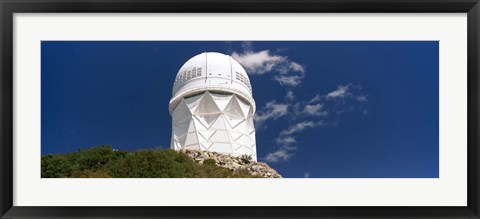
x,y
325,109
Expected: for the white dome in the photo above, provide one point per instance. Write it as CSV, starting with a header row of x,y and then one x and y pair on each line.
x,y
211,71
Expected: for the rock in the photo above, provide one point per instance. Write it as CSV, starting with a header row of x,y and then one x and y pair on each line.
x,y
259,169
236,165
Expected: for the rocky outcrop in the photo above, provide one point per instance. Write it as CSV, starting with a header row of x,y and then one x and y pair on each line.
x,y
234,163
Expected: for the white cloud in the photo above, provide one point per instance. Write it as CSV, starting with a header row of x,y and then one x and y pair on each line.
x,y
285,141
258,62
272,110
292,80
340,92
314,110
289,95
362,98
315,99
302,126
279,155
297,67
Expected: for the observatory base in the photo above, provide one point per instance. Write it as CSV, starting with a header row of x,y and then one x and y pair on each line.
x,y
214,121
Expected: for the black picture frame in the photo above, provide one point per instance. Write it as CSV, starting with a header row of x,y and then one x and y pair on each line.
x,y
9,7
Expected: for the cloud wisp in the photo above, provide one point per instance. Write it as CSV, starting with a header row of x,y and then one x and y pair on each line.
x,y
289,80
314,110
272,110
289,73
278,155
300,126
258,63
289,96
287,142
320,111
340,92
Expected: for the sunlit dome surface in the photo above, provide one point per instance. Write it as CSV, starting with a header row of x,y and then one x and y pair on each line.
x,y
211,71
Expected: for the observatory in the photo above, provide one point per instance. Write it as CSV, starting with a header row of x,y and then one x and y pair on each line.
x,y
212,107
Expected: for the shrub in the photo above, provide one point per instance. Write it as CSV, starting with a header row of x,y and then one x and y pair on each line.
x,y
246,159
154,164
209,162
95,158
243,173
56,166
214,171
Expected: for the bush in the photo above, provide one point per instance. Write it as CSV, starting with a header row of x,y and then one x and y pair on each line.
x,y
243,173
96,158
154,164
214,171
210,162
246,159
104,162
56,166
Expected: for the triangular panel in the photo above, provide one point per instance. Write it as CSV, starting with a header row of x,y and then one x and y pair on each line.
x,y
245,108
191,127
234,135
207,112
201,138
198,124
219,123
207,105
234,123
180,131
207,120
181,114
250,118
206,145
191,139
252,136
181,139
193,102
233,113
244,140
221,100
207,134
233,108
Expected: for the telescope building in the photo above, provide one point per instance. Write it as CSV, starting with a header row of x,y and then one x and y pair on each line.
x,y
212,107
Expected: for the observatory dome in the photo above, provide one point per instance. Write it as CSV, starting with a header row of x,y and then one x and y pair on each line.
x,y
212,107
211,71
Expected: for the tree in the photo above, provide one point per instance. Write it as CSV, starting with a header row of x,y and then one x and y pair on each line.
x,y
56,166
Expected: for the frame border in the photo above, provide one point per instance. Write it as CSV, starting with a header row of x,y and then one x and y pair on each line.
x,y
9,7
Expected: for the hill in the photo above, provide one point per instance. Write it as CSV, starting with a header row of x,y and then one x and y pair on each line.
x,y
105,162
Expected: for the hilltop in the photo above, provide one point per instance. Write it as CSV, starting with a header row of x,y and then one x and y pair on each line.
x,y
106,162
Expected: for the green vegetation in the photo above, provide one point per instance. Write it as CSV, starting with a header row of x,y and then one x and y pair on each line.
x,y
104,162
246,159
